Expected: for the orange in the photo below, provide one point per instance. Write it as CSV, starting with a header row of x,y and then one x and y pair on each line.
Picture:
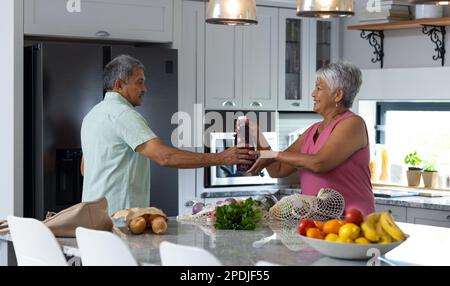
x,y
314,232
332,226
319,224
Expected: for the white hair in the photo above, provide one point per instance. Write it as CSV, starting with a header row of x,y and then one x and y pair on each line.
x,y
343,75
119,68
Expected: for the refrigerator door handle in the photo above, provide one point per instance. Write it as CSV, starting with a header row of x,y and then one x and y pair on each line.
x,y
102,34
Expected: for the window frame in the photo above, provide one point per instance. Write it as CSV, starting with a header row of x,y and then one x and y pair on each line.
x,y
383,107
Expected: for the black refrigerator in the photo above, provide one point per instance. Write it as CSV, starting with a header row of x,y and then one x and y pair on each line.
x,y
63,81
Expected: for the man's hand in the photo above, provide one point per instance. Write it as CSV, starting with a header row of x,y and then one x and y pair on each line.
x,y
235,155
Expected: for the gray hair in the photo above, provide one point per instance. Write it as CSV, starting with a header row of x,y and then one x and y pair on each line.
x,y
343,75
120,68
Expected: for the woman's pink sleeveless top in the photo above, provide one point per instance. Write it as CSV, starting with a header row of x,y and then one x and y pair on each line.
x,y
351,178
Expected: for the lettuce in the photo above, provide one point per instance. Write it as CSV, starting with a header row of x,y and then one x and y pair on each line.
x,y
240,216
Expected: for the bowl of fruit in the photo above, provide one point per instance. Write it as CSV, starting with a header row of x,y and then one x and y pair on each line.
x,y
354,237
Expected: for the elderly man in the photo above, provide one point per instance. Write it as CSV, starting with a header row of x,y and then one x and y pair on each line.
x,y
117,143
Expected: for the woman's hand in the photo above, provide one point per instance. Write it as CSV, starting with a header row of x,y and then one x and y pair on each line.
x,y
264,159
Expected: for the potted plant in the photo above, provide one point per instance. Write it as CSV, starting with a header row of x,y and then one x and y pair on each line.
x,y
414,172
430,175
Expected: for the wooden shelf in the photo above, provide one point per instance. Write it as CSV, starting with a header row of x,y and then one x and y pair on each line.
x,y
402,24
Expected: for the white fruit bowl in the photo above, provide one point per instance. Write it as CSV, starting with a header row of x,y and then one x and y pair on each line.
x,y
350,250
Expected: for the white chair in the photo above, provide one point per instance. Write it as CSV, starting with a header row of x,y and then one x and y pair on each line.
x,y
34,243
102,248
266,263
180,255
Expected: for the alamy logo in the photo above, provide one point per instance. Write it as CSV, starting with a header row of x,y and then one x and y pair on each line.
x,y
374,253
373,6
73,6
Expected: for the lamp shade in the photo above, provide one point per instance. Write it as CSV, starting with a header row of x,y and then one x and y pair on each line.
x,y
431,2
231,12
325,8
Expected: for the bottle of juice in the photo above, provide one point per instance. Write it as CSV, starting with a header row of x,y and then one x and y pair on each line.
x,y
242,139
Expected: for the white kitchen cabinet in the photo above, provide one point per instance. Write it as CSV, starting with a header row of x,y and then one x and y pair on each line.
x,y
260,60
306,45
191,76
223,67
293,62
399,213
241,64
428,217
324,46
136,20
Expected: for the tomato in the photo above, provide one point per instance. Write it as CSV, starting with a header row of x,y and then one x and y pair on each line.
x,y
314,232
213,216
304,225
349,231
332,226
319,224
353,216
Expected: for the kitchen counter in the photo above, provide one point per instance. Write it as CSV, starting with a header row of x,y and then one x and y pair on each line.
x,y
435,203
275,242
439,203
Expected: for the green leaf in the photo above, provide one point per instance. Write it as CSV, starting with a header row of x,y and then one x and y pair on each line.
x,y
241,216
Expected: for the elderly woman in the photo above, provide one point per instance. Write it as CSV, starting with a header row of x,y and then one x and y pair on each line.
x,y
333,153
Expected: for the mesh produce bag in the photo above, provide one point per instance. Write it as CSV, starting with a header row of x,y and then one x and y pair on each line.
x,y
201,217
327,204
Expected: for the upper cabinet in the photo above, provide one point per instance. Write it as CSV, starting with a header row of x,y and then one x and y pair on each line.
x,y
260,62
294,63
305,45
242,64
136,20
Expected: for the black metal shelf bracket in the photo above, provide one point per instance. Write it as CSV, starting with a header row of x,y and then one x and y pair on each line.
x,y
433,32
376,40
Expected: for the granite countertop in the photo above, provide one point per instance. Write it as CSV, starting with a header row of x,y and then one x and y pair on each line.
x,y
232,248
434,203
439,203
276,242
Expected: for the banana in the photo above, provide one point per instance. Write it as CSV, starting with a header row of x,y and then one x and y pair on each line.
x,y
385,237
387,222
369,229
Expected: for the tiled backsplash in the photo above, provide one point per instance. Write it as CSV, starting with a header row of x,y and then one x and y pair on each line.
x,y
290,122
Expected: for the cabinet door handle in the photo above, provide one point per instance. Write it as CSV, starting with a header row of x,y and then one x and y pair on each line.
x,y
295,104
256,104
229,103
448,217
102,34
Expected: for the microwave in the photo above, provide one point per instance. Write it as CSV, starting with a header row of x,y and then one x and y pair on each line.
x,y
220,176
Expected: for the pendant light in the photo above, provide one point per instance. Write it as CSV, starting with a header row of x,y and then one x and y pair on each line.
x,y
231,12
325,8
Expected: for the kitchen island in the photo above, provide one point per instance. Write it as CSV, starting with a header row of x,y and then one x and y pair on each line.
x,y
276,242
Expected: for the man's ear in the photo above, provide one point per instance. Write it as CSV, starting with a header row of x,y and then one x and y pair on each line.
x,y
118,84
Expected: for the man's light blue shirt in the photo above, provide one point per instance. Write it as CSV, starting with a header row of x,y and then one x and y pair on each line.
x,y
110,134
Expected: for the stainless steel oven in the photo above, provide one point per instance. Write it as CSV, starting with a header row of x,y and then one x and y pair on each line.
x,y
216,176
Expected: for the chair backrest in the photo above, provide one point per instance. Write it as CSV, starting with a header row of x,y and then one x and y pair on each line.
x,y
180,255
265,263
34,243
103,248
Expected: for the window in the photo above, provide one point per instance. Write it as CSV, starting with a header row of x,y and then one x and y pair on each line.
x,y
408,126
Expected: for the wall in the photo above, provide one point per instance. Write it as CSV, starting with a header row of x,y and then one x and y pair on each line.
x,y
403,48
11,113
